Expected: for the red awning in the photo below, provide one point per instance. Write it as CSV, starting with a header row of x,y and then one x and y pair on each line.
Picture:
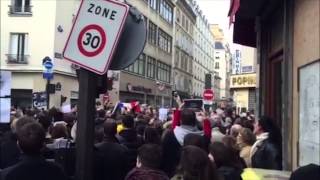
x,y
242,14
234,6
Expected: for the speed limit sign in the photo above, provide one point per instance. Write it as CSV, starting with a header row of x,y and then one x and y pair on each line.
x,y
95,34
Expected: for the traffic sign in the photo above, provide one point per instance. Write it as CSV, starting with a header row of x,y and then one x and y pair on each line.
x,y
208,95
48,65
95,33
48,68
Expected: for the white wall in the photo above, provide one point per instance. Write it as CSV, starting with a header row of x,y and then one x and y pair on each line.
x,y
40,29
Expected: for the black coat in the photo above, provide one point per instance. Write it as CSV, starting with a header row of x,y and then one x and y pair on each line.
x,y
144,173
111,161
171,150
9,151
33,168
130,139
267,156
229,173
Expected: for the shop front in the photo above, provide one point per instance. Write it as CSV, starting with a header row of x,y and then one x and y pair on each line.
x,y
146,91
243,88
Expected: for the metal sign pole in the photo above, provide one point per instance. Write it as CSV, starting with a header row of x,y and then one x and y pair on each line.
x,y
85,125
48,94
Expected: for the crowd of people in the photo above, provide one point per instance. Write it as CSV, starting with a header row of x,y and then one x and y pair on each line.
x,y
137,145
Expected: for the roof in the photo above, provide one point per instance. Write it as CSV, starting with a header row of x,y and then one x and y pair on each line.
x,y
218,45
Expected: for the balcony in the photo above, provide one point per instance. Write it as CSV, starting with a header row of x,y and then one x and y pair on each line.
x,y
20,10
17,59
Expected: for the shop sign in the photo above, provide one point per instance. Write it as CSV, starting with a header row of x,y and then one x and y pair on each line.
x,y
236,67
247,69
243,81
40,99
142,89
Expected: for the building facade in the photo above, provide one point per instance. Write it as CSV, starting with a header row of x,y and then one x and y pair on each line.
x,y
28,34
203,52
222,61
288,55
184,53
149,79
243,78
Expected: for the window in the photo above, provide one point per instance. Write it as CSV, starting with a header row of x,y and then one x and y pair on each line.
x,y
20,7
176,59
152,33
138,67
151,67
183,21
163,72
153,4
187,25
166,11
216,65
217,57
18,50
178,15
164,41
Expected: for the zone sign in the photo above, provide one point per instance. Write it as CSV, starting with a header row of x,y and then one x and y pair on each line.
x,y
95,33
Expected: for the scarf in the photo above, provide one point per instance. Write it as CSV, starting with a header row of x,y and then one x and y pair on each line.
x,y
181,131
260,139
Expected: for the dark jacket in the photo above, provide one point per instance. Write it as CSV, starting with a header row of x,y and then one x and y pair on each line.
x,y
310,172
35,168
267,156
229,173
9,151
130,139
146,174
171,150
111,161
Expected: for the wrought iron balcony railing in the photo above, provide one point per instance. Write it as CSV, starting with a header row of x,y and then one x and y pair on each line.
x,y
17,59
23,10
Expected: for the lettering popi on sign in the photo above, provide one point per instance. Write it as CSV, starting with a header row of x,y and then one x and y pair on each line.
x,y
95,34
243,81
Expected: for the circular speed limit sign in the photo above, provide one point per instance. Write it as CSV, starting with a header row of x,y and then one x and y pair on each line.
x,y
91,40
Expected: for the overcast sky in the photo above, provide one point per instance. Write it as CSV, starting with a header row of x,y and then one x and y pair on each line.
x,y
216,11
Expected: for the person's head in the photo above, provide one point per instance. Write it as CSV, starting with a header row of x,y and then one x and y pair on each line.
x,y
59,131
234,131
101,113
150,156
246,137
44,120
151,135
31,138
195,164
266,124
221,155
188,117
98,104
128,121
195,140
110,128
98,134
18,123
230,142
249,124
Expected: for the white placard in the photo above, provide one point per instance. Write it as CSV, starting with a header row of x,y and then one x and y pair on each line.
x,y
163,114
5,83
5,110
5,93
309,114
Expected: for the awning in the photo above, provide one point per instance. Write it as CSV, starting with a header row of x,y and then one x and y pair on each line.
x,y
243,14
